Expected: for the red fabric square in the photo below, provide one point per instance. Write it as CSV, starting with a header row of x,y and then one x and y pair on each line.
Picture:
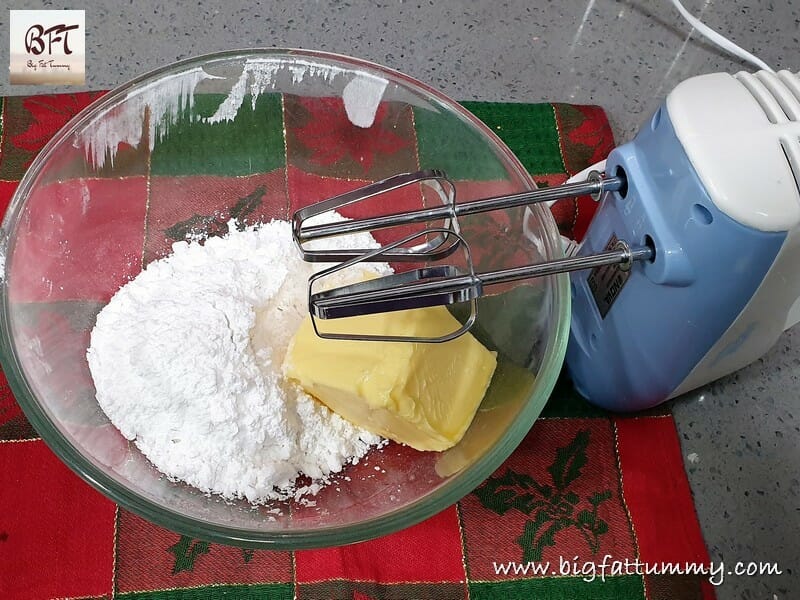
x,y
467,191
584,133
394,558
321,139
80,240
51,341
7,189
306,188
549,487
496,239
150,557
11,416
550,180
572,215
47,114
586,138
28,123
56,533
181,206
659,499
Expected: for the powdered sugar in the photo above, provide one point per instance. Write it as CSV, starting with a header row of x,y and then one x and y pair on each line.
x,y
186,362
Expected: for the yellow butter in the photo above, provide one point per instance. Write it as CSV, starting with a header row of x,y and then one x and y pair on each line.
x,y
423,395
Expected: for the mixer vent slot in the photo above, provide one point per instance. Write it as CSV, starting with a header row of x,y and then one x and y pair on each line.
x,y
778,94
791,149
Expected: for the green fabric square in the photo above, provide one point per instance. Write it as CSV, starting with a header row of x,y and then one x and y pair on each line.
x,y
341,589
529,130
560,588
262,591
250,143
447,143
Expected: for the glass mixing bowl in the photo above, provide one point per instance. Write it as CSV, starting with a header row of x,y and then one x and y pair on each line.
x,y
254,135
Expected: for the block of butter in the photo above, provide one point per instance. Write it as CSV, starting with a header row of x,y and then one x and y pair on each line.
x,y
422,395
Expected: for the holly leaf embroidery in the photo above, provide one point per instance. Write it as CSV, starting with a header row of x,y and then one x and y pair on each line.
x,y
599,497
569,461
48,115
500,494
553,507
538,534
247,205
186,552
204,225
217,224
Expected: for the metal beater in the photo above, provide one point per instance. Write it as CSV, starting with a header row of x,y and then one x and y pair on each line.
x,y
437,284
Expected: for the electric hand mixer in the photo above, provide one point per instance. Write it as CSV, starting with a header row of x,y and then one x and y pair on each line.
x,y
690,268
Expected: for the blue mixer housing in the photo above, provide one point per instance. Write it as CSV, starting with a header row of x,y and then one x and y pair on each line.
x,y
637,335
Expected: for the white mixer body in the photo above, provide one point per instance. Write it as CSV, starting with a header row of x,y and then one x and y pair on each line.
x,y
742,135
713,186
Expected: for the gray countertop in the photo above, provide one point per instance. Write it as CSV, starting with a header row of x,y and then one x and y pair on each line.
x,y
743,432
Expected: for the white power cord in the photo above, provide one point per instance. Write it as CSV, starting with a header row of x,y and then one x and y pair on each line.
x,y
720,40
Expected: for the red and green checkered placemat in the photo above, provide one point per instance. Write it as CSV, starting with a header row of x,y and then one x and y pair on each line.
x,y
584,488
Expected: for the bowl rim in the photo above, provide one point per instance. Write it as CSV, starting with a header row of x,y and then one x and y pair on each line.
x,y
460,484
